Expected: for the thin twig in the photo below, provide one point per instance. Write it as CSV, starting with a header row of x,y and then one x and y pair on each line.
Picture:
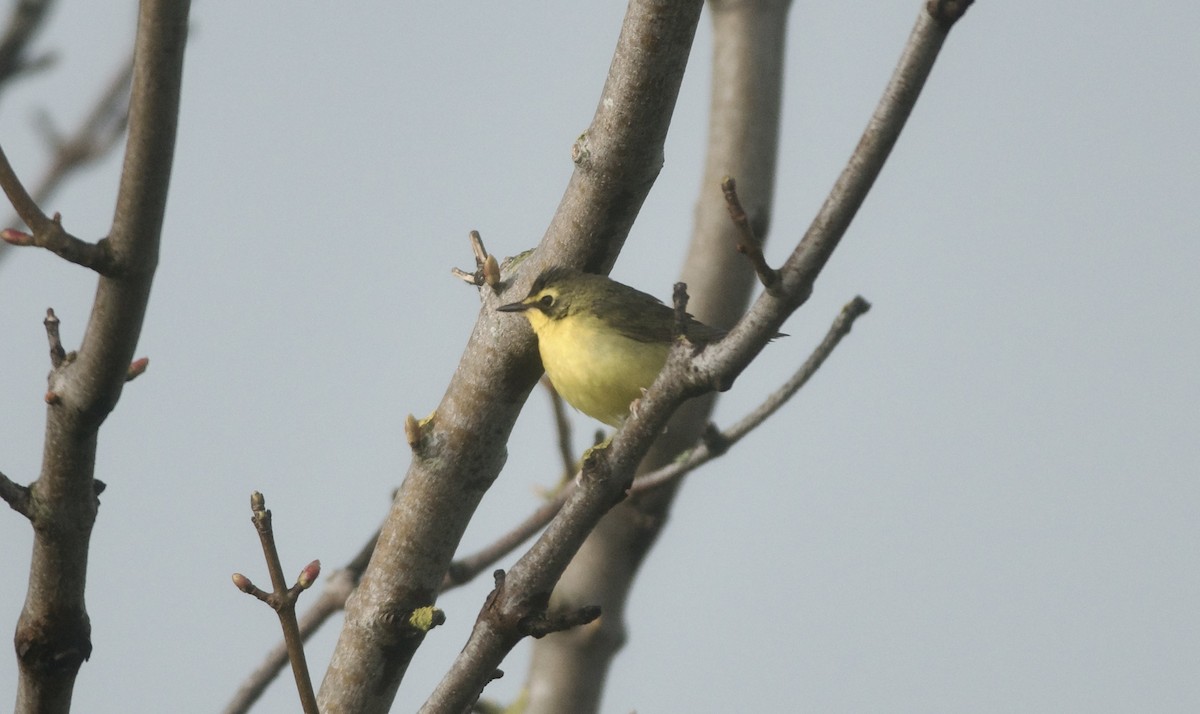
x,y
562,426
23,23
338,588
48,232
95,137
710,447
713,446
467,568
98,133
14,494
748,244
282,599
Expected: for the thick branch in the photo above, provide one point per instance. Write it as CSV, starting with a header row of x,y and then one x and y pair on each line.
x,y
463,443
53,633
608,475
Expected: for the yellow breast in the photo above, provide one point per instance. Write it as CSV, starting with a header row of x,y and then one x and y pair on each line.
x,y
597,370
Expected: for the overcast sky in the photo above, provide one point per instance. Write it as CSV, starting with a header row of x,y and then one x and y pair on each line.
x,y
988,500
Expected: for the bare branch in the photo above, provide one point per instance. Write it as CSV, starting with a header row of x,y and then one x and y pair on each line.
x,y
15,495
617,160
338,588
24,22
96,136
607,474
47,232
282,599
568,672
53,634
562,427
465,569
716,444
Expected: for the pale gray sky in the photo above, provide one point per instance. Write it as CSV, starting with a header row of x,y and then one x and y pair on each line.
x,y
987,501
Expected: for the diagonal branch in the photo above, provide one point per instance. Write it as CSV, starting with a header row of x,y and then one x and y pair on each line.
x,y
462,445
607,475
24,22
96,136
341,584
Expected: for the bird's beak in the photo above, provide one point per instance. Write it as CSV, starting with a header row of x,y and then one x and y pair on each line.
x,y
513,307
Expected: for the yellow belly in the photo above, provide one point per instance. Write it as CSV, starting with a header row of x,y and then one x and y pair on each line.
x,y
598,371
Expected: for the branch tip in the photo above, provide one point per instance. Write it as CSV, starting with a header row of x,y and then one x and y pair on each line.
x,y
477,247
491,271
137,368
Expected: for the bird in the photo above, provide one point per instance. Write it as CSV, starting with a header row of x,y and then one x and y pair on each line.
x,y
602,342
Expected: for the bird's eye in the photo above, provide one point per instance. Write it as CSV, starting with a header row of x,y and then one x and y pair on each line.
x,y
546,301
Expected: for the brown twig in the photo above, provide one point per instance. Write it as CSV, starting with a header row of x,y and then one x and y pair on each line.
x,y
88,383
95,137
467,568
562,426
338,588
748,244
607,474
716,444
15,495
48,232
57,353
282,598
679,300
23,23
